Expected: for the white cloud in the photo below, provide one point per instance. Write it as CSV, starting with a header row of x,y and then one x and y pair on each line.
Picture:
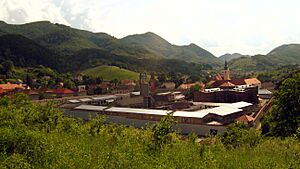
x,y
16,11
248,27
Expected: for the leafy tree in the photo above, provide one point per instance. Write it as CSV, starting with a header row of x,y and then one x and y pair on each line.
x,y
29,81
190,93
284,117
161,77
162,131
68,83
238,134
7,68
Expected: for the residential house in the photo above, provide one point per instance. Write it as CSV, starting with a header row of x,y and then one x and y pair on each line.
x,y
61,93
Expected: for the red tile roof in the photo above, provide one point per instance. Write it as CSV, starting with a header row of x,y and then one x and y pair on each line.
x,y
9,86
218,77
218,83
189,85
63,91
127,81
2,91
252,81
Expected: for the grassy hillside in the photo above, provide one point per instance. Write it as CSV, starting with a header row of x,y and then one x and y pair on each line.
x,y
111,72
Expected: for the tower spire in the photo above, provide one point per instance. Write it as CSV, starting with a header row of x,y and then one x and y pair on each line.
x,y
226,70
226,65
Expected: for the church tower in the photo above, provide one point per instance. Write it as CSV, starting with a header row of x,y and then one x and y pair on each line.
x,y
226,71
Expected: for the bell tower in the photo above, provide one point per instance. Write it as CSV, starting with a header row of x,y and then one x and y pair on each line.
x,y
226,71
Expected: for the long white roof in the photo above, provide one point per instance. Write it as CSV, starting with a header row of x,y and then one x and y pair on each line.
x,y
108,97
90,107
138,111
237,105
221,111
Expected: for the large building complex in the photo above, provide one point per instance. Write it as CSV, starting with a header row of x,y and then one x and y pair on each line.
x,y
213,118
225,89
223,102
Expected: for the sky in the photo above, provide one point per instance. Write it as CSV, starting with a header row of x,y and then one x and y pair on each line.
x,y
219,26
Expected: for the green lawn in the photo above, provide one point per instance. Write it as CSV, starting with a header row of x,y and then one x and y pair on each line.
x,y
111,72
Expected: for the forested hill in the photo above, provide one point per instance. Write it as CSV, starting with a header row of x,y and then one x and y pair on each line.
x,y
229,56
163,49
24,52
67,40
280,56
61,47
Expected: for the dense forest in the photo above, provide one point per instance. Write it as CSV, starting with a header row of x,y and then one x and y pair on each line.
x,y
39,136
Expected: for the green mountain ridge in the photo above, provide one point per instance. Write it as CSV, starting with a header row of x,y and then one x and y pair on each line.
x,y
155,44
288,54
70,49
24,52
229,56
67,40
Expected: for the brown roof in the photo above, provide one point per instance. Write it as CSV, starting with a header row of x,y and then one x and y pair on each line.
x,y
2,91
127,81
9,86
63,91
218,83
245,118
218,77
238,81
189,85
104,85
210,82
227,84
252,81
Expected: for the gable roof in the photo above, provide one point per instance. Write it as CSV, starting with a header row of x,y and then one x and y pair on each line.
x,y
238,81
218,77
189,85
218,83
63,91
227,84
252,81
9,86
245,119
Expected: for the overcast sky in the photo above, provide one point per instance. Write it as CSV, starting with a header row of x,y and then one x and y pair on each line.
x,y
220,26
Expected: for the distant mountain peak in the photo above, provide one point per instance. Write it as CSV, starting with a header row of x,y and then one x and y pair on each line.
x,y
229,56
193,45
149,33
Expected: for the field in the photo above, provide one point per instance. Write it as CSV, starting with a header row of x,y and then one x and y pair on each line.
x,y
111,72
